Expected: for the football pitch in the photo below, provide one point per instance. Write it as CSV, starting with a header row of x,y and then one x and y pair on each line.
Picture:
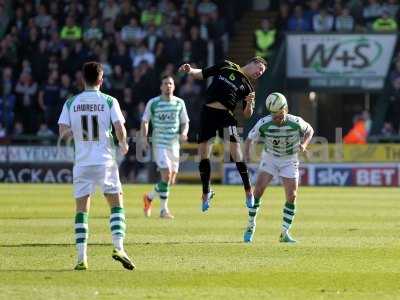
x,y
349,246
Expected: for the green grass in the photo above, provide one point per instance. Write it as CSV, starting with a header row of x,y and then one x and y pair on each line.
x,y
349,246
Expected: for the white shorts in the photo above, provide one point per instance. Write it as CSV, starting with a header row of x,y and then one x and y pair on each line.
x,y
86,178
287,167
167,158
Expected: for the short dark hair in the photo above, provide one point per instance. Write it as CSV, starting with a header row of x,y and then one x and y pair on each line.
x,y
91,72
257,59
167,76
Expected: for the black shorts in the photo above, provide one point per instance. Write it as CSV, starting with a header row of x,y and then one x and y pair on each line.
x,y
215,121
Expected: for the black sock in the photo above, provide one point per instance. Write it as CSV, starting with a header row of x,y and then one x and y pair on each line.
x,y
205,172
242,169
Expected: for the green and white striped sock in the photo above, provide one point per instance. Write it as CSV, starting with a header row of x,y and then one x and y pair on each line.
x,y
289,211
117,227
163,191
253,212
81,235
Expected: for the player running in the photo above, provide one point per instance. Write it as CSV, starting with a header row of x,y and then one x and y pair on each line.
x,y
87,117
283,135
230,85
168,116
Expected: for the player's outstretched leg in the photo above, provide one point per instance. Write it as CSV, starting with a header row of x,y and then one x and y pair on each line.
x,y
81,236
205,174
251,226
117,227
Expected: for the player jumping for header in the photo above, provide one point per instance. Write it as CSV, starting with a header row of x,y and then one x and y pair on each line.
x,y
230,85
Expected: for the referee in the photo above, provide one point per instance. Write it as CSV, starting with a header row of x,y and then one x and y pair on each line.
x,y
230,85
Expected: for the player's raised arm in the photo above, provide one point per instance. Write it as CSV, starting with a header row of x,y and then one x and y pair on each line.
x,y
249,107
196,73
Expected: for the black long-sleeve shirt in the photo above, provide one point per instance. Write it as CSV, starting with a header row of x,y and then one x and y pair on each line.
x,y
229,84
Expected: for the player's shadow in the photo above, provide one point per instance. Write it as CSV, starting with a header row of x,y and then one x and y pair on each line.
x,y
128,244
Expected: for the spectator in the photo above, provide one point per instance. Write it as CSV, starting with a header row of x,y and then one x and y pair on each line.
x,y
93,32
118,82
110,10
217,32
126,101
264,39
152,37
187,55
74,8
314,9
122,58
65,88
151,16
130,166
4,21
18,129
169,10
43,19
26,92
143,54
323,21
109,30
41,61
7,82
371,12
385,24
199,46
70,31
172,46
55,45
3,131
190,91
358,133
45,134
298,22
127,12
392,7
344,22
132,33
283,18
49,99
387,130
7,106
19,19
206,7
203,27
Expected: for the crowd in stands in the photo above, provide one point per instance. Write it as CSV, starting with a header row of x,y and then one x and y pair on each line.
x,y
336,16
343,16
43,45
